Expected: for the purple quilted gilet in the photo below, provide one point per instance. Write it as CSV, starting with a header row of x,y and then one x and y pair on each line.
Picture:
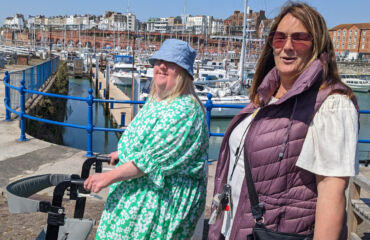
x,y
287,192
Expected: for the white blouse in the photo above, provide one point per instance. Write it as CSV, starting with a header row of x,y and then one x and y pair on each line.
x,y
329,149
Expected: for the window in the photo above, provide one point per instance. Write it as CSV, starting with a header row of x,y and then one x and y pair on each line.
x,y
343,37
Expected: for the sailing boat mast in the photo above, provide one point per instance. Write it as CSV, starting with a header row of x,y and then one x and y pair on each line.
x,y
242,54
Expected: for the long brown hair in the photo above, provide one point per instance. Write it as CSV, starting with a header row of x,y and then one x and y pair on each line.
x,y
184,86
322,48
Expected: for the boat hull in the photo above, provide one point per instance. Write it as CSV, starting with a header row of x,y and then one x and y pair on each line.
x,y
224,112
124,81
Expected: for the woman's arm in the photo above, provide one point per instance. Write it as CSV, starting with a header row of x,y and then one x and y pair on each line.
x,y
126,171
330,208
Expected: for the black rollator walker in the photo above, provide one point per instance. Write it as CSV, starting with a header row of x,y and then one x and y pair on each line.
x,y
58,226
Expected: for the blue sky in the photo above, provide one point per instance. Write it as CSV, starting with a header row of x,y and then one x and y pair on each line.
x,y
335,12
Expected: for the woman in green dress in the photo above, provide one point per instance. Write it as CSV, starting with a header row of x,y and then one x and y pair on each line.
x,y
158,189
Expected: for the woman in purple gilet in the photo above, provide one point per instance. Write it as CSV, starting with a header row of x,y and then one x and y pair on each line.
x,y
299,135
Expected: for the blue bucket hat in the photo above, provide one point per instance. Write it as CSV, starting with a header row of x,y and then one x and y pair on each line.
x,y
176,51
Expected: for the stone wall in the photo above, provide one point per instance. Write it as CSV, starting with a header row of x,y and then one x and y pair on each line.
x,y
354,68
51,109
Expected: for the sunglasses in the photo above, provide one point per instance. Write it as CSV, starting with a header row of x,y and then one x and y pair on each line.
x,y
300,40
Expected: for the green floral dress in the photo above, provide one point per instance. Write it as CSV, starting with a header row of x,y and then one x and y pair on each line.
x,y
167,141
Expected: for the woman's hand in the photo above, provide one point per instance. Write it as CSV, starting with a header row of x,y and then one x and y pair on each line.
x,y
113,158
97,182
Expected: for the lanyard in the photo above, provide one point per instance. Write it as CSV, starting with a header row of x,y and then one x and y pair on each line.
x,y
239,151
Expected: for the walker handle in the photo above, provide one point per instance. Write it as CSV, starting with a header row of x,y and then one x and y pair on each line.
x,y
106,159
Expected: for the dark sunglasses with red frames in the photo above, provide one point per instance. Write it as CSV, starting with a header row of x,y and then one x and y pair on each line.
x,y
300,40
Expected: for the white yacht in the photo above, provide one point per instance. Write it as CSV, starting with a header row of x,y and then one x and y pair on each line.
x,y
123,70
223,92
355,82
207,74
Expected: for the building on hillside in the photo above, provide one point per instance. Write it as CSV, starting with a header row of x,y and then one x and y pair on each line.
x,y
157,25
351,41
184,18
264,28
178,28
36,22
131,21
116,21
78,22
233,25
56,22
16,22
199,24
217,26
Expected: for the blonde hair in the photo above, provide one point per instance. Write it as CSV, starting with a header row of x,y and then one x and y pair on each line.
x,y
184,86
322,48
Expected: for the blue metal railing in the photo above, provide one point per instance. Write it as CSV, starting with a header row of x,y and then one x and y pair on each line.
x,y
34,77
90,100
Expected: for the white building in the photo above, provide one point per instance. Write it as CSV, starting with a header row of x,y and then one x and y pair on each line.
x,y
217,26
16,22
157,25
78,22
117,21
36,22
131,21
200,24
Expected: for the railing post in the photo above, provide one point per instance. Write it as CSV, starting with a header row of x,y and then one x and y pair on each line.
x,y
123,116
23,109
209,106
90,126
111,103
7,96
97,74
100,87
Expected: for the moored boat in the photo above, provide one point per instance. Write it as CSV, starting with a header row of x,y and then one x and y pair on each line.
x,y
123,70
355,82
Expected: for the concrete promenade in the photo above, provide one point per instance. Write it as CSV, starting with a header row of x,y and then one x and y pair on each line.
x,y
35,157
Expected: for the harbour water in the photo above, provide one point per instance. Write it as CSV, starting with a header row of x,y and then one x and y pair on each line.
x,y
76,113
106,142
